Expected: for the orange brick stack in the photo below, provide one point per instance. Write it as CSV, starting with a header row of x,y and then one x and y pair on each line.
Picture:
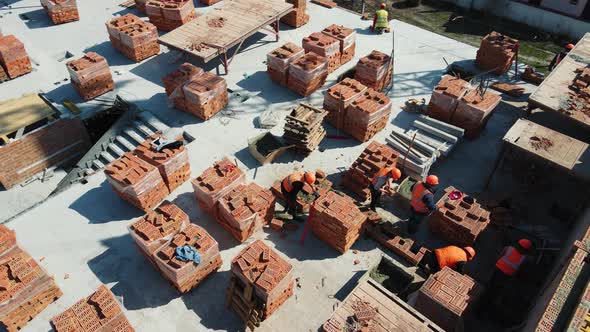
x,y
216,182
459,221
174,82
375,70
245,209
305,196
206,95
325,46
260,267
168,15
367,115
7,239
474,110
98,312
61,11
445,97
140,4
13,57
25,288
278,61
90,75
496,53
446,296
339,97
375,157
172,164
297,17
136,39
136,181
393,239
336,220
185,276
307,74
347,39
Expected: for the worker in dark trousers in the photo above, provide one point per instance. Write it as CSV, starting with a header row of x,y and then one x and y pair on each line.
x,y
451,256
422,203
292,185
560,56
380,179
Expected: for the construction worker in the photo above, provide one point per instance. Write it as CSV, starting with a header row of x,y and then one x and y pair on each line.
x,y
560,56
380,21
422,203
452,256
292,185
380,179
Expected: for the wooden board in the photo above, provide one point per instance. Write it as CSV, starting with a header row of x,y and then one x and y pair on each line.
x,y
21,112
553,91
243,18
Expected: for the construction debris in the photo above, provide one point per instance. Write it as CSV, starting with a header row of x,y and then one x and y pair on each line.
x,y
297,17
215,182
532,76
279,60
303,128
496,53
347,39
305,197
168,15
541,143
90,75
325,46
136,39
13,57
375,70
325,3
61,11
307,74
578,97
509,89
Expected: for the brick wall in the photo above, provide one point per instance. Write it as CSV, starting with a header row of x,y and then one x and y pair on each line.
x,y
60,141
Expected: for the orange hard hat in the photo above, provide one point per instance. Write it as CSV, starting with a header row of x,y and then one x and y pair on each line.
x,y
396,173
432,180
383,5
570,46
525,244
470,252
310,177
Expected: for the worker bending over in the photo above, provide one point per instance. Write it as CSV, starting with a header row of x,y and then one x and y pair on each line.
x,y
292,185
452,256
422,203
560,56
381,21
380,179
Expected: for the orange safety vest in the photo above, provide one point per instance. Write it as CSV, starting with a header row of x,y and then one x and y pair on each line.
x,y
450,256
510,261
417,195
289,180
380,174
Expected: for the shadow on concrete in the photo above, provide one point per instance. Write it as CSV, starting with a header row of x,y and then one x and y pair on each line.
x,y
36,19
260,84
113,57
367,30
415,83
343,292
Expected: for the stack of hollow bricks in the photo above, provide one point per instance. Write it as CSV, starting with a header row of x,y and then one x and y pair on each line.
x,y
297,17
90,75
168,15
375,70
339,97
25,288
459,221
215,182
98,312
325,46
195,91
496,53
347,39
260,267
336,220
445,297
279,60
307,74
13,57
61,11
390,237
136,39
367,115
322,186
375,157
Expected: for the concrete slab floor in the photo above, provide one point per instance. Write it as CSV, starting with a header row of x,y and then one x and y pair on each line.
x,y
82,232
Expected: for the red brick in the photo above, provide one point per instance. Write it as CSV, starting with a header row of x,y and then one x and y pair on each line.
x,y
168,15
61,11
496,53
136,39
325,46
215,182
375,70
90,75
13,57
296,18
307,74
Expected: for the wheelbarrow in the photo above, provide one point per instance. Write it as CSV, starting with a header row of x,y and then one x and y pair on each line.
x,y
266,147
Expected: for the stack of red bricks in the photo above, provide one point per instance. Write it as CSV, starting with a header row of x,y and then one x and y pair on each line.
x,y
136,39
168,15
216,182
446,297
339,97
307,74
347,39
375,157
13,57
445,97
375,70
90,75
459,221
367,115
297,17
172,163
496,53
245,210
185,275
98,312
336,220
325,46
271,276
61,11
174,82
279,60
305,196
393,239
136,181
140,4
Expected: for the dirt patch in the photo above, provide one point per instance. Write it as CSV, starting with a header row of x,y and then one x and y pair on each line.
x,y
268,144
217,22
541,143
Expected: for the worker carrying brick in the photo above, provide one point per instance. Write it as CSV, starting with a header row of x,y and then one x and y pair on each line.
x,y
422,203
380,20
451,256
384,178
560,56
292,185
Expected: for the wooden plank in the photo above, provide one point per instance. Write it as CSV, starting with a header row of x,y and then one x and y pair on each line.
x,y
21,112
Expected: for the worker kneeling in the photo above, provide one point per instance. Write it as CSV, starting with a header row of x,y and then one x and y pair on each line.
x,y
382,179
452,256
381,20
292,185
422,203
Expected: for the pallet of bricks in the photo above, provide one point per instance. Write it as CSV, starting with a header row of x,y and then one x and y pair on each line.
x,y
90,75
192,90
140,5
374,70
14,59
305,197
168,15
446,297
216,182
25,287
336,220
260,282
307,74
496,53
303,128
324,46
61,11
136,181
136,39
98,312
279,60
346,38
297,17
459,221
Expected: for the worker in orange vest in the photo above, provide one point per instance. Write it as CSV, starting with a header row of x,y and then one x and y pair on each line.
x,y
422,203
560,56
380,179
292,185
451,256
